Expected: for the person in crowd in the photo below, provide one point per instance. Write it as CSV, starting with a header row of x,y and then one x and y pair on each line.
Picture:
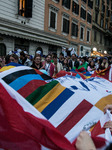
x,y
73,63
91,66
110,60
104,63
61,58
89,59
58,66
14,58
64,51
24,60
98,63
84,63
37,64
7,59
65,65
48,65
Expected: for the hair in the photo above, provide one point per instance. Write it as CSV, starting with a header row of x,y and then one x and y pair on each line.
x,y
22,53
90,64
61,54
55,55
14,56
36,56
48,55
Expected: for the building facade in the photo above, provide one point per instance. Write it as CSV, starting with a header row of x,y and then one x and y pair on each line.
x,y
102,26
71,20
46,24
22,27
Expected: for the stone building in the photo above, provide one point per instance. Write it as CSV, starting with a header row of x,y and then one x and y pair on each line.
x,y
71,20
102,26
46,24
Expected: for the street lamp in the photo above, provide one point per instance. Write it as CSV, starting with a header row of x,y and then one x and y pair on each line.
x,y
105,52
94,49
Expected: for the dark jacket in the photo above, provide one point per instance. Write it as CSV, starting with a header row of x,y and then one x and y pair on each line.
x,y
76,64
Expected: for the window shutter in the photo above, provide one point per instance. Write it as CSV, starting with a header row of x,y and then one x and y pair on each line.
x,y
52,20
73,7
28,8
76,30
77,9
65,25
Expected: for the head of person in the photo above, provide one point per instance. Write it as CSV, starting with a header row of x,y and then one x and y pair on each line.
x,y
55,57
61,55
14,58
90,59
83,59
74,56
105,60
37,60
65,61
22,55
92,64
48,58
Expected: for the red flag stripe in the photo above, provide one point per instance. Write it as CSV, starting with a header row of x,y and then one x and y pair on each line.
x,y
34,84
74,117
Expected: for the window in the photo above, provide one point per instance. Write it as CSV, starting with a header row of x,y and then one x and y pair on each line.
x,y
84,1
102,22
82,33
66,3
75,8
83,13
57,1
65,25
74,31
52,20
103,7
100,38
2,49
96,17
97,2
25,8
90,4
95,36
88,36
108,2
53,17
106,25
89,17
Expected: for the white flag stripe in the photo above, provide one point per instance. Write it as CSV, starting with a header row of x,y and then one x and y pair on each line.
x,y
93,114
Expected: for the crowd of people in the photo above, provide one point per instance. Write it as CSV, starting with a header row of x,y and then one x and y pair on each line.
x,y
53,64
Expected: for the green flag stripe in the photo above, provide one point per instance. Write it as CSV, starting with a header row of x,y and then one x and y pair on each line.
x,y
40,92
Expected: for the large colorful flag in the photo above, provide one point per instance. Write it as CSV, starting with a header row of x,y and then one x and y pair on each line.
x,y
23,127
68,102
